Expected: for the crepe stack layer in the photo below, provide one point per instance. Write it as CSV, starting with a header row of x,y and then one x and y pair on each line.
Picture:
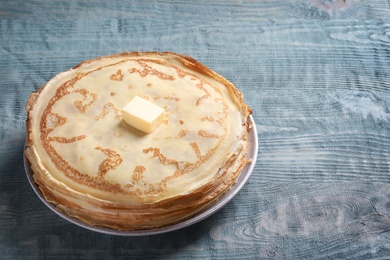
x,y
95,167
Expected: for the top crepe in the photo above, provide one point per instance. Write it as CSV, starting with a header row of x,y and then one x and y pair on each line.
x,y
93,166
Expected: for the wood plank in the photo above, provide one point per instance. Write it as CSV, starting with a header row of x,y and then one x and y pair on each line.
x,y
315,72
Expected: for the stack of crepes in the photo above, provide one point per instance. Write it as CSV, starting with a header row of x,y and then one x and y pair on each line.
x,y
95,167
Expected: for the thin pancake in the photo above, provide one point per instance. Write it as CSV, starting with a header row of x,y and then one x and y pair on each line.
x,y
94,166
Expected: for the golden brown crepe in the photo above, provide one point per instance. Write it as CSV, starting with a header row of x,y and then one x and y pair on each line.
x,y
95,167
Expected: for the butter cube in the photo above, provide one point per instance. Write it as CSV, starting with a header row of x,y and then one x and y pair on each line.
x,y
142,114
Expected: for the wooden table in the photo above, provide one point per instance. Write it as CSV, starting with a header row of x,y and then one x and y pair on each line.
x,y
315,72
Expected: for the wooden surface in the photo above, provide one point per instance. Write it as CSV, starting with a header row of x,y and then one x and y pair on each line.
x,y
315,72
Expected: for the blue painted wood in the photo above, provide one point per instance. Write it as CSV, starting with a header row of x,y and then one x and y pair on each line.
x,y
315,72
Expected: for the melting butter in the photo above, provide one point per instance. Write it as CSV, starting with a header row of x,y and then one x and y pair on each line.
x,y
142,114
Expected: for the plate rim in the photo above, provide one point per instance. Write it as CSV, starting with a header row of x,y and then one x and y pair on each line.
x,y
203,214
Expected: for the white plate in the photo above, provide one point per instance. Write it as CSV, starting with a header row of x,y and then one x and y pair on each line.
x,y
242,179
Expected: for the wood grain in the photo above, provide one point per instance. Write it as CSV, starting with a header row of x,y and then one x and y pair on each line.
x,y
315,72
